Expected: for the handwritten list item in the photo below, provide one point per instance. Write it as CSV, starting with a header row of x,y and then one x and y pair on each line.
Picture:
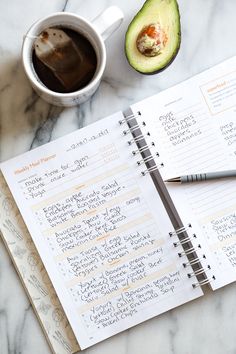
x,y
101,230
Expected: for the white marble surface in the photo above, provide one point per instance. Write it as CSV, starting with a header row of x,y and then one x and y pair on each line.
x,y
206,325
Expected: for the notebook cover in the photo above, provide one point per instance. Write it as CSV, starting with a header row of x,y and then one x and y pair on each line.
x,y
34,276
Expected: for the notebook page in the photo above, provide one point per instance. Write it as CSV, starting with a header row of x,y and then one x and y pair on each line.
x,y
100,229
194,128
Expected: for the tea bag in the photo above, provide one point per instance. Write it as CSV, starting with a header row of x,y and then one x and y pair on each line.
x,y
60,54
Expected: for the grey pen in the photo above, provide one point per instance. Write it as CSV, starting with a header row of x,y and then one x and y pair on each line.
x,y
203,176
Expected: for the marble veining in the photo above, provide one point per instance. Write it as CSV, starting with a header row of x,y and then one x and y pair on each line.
x,y
204,326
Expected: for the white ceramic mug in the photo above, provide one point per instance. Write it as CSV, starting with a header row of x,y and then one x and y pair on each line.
x,y
96,32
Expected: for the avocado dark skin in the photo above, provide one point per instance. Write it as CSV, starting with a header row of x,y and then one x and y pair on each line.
x,y
159,70
150,47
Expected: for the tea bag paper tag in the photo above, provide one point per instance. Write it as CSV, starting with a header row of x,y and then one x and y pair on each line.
x,y
60,54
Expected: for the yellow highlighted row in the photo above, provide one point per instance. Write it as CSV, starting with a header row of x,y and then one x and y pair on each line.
x,y
73,221
106,298
55,198
119,230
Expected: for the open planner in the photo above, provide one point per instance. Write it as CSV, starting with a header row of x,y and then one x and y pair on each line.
x,y
115,243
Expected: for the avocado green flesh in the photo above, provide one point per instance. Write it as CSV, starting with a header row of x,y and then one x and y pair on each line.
x,y
166,13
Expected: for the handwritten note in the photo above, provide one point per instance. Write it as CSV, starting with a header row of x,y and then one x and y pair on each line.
x,y
101,230
192,127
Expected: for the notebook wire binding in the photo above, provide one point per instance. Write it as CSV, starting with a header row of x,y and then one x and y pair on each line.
x,y
149,158
146,159
131,129
129,118
198,270
143,148
152,169
184,240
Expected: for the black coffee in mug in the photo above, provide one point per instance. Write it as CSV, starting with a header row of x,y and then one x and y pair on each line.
x,y
63,59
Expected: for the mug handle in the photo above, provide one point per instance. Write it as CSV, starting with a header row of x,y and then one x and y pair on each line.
x,y
108,21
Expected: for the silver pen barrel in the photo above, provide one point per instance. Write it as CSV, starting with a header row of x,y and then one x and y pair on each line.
x,y
207,176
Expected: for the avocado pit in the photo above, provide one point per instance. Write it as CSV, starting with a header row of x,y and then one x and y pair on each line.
x,y
151,40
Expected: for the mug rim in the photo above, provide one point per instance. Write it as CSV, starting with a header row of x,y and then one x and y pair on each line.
x,y
27,45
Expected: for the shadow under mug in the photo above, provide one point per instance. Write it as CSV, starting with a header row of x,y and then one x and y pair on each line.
x,y
96,32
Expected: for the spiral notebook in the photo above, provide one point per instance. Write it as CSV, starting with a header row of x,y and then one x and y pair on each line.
x,y
118,244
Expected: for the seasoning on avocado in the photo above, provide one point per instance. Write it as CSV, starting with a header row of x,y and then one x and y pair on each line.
x,y
151,40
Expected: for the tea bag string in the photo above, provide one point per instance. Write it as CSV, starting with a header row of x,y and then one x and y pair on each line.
x,y
30,36
37,37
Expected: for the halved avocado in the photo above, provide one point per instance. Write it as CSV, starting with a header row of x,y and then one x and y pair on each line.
x,y
153,37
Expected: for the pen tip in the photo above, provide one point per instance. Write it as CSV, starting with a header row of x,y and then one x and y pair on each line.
x,y
175,179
